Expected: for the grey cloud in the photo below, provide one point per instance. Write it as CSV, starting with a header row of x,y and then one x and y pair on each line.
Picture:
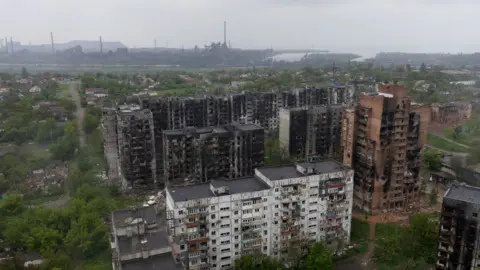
x,y
363,26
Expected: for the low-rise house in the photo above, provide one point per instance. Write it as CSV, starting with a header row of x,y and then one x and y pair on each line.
x,y
96,92
35,89
33,259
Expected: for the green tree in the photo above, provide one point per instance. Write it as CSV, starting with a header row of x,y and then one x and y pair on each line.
x,y
91,123
421,238
258,262
319,257
423,68
433,159
24,72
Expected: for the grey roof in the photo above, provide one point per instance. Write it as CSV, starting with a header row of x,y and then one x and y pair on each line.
x,y
200,191
159,262
193,130
148,213
131,245
464,193
290,171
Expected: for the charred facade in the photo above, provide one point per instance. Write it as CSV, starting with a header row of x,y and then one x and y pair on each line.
x,y
451,113
458,244
311,131
193,155
382,140
261,108
136,146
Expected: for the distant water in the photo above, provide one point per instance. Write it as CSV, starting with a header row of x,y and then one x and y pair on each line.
x,y
292,57
288,57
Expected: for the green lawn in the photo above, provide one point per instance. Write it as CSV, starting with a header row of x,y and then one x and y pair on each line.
x,y
358,239
63,91
440,143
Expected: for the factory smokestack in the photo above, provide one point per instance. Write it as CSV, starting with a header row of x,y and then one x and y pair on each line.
x,y
51,40
11,45
6,44
101,45
225,33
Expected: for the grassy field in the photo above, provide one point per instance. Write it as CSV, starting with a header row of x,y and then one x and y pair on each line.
x,y
440,143
63,91
358,239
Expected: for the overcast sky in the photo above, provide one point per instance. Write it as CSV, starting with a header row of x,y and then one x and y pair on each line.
x,y
362,26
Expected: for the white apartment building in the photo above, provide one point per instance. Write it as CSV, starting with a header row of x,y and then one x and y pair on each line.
x,y
212,224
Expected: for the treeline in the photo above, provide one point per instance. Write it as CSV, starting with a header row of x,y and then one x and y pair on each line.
x,y
314,257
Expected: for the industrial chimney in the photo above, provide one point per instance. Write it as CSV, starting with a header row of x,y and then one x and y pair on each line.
x,y
225,33
51,40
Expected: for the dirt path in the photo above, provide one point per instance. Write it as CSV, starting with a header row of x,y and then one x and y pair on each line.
x,y
80,112
367,262
440,134
80,115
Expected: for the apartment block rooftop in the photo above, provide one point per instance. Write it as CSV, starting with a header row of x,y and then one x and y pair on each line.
x,y
301,169
207,190
193,130
127,217
463,193
150,241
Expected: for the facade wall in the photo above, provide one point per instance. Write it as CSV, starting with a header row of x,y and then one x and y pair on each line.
x,y
136,147
197,155
385,137
459,232
311,130
110,145
211,233
262,108
451,113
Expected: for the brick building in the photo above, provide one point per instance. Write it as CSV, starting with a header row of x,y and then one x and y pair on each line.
x,y
382,139
451,113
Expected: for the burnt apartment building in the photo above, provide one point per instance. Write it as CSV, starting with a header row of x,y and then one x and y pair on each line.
x,y
458,242
110,143
136,146
382,139
262,108
197,155
451,113
311,131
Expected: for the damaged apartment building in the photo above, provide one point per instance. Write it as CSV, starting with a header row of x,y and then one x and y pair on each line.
x,y
382,139
458,244
173,113
193,155
311,131
275,212
451,113
136,146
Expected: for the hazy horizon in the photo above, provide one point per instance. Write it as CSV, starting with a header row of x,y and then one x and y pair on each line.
x,y
364,27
